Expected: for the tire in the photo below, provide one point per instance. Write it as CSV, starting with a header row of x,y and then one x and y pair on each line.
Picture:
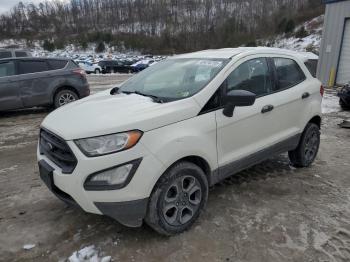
x,y
64,97
343,105
308,146
183,188
97,71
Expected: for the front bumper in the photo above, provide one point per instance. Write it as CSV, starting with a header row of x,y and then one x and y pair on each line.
x,y
127,205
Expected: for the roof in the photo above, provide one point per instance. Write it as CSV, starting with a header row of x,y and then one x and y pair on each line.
x,y
226,53
332,1
36,58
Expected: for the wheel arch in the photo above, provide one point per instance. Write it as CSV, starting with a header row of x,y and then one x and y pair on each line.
x,y
316,120
197,160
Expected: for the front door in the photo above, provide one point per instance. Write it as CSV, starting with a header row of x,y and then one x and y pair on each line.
x,y
251,128
9,87
35,80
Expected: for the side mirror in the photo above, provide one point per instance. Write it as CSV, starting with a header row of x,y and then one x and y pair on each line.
x,y
114,90
237,98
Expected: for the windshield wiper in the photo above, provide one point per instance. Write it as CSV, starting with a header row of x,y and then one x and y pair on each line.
x,y
154,98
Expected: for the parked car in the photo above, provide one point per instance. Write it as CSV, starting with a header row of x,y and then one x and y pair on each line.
x,y
29,82
114,66
344,97
8,53
90,67
149,150
141,65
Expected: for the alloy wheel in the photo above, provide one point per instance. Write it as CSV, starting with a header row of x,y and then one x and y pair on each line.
x,y
182,200
311,146
66,98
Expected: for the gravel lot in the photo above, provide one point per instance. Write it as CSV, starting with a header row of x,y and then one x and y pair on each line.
x,y
271,212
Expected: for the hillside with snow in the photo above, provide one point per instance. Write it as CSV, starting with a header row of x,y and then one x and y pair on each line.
x,y
310,41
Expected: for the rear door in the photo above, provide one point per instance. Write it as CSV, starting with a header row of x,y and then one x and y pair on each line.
x,y
291,97
35,79
9,86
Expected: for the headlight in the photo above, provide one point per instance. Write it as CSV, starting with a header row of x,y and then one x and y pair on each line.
x,y
103,145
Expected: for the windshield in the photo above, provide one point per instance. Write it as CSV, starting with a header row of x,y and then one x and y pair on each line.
x,y
174,79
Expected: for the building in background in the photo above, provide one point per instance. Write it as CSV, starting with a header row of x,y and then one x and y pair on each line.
x,y
334,64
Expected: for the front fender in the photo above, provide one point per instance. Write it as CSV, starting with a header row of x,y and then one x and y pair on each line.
x,y
192,137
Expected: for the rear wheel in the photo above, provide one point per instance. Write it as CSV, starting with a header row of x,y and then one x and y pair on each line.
x,y
97,71
307,150
177,199
64,97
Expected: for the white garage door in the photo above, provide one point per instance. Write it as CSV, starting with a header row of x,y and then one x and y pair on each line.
x,y
343,74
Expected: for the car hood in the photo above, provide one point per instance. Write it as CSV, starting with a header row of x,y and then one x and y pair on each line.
x,y
103,113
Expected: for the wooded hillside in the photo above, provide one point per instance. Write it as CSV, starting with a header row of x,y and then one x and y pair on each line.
x,y
156,25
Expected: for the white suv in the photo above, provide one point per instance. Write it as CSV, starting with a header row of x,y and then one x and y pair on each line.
x,y
90,67
149,150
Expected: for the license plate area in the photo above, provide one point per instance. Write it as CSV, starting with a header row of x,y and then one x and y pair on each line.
x,y
46,173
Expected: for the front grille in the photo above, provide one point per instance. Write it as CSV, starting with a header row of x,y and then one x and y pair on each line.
x,y
57,150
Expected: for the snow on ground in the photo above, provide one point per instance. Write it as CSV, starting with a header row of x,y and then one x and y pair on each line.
x,y
330,103
88,254
28,246
310,43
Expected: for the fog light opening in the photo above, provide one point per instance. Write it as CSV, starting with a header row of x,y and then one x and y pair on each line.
x,y
112,178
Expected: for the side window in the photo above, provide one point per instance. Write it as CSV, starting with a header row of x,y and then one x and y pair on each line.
x,y
7,68
57,64
288,73
31,66
5,54
253,76
21,54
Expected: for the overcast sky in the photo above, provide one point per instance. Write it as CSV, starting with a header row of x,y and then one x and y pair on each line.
x,y
6,5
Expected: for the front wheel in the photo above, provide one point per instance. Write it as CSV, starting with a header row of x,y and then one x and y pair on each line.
x,y
178,199
307,150
64,97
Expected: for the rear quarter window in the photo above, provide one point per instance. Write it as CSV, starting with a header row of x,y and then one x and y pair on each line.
x,y
72,65
57,64
311,64
289,73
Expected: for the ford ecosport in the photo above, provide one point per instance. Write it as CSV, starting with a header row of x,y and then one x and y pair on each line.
x,y
150,149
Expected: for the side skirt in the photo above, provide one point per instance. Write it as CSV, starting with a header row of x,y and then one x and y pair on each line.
x,y
232,168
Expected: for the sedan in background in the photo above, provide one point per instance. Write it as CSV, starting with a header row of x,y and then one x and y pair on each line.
x,y
141,65
114,66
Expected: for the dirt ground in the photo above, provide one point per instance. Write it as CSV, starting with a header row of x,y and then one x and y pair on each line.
x,y
271,212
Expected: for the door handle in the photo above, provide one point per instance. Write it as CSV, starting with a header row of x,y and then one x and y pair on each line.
x,y
267,108
305,95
